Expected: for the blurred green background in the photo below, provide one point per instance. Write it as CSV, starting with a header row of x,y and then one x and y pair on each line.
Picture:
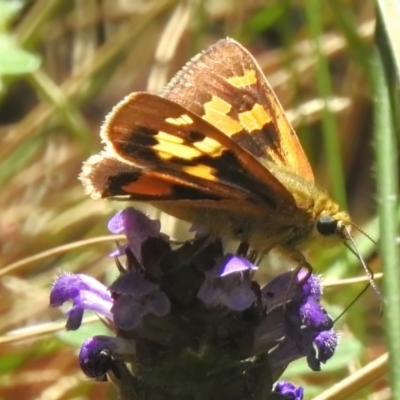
x,y
64,64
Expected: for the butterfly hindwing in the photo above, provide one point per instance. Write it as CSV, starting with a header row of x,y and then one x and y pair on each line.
x,y
225,86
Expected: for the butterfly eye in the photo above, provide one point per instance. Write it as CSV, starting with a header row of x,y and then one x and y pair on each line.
x,y
327,225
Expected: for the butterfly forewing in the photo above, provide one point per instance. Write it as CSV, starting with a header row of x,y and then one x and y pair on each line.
x,y
226,87
167,145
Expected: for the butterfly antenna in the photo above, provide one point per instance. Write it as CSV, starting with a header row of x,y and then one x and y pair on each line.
x,y
368,271
364,233
352,303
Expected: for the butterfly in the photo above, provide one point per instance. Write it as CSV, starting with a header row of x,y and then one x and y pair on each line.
x,y
215,148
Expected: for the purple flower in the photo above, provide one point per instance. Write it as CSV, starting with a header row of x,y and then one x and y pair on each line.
x,y
289,390
98,354
85,292
312,287
134,298
324,346
136,226
229,284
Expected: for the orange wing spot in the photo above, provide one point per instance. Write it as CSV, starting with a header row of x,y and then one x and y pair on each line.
x,y
254,119
216,111
209,146
182,120
164,156
176,150
249,78
164,136
148,186
201,171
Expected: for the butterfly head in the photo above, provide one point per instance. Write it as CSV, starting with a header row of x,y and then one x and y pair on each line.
x,y
338,226
331,228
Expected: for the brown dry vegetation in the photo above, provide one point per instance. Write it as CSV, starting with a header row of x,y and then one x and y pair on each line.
x,y
94,52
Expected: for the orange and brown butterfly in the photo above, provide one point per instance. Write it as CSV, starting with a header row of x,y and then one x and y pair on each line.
x,y
215,148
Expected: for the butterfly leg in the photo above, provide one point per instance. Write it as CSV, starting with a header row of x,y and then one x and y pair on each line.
x,y
199,244
306,265
243,249
302,263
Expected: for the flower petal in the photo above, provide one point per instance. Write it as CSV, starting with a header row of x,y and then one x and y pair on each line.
x,y
128,313
87,301
325,344
85,292
226,284
232,264
132,283
68,286
96,356
289,390
158,303
136,226
314,316
209,293
313,285
281,289
240,298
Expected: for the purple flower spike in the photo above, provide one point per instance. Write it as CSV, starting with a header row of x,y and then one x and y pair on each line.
x,y
85,292
226,285
97,355
289,390
180,310
136,226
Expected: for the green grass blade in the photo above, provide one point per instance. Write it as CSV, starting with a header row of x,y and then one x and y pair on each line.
x,y
324,88
387,191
